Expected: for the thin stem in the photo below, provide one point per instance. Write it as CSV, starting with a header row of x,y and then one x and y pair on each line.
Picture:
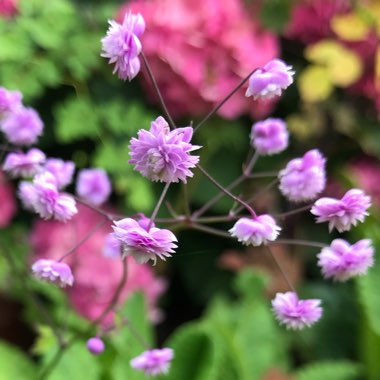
x,y
97,209
293,212
83,240
157,89
306,243
223,101
220,187
291,287
251,199
216,219
210,230
116,295
246,171
263,175
158,205
137,335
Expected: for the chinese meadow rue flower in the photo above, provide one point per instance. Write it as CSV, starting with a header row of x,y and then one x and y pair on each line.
x,y
343,213
43,197
269,81
53,271
164,155
111,247
63,171
144,245
24,164
22,127
192,45
269,136
9,101
95,345
93,185
342,261
303,178
122,45
296,313
154,362
96,277
255,231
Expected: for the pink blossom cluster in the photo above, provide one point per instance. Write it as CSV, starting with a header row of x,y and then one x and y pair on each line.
x,y
8,8
202,49
96,276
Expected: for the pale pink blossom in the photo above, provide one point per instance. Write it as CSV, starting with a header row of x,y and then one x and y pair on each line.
x,y
154,362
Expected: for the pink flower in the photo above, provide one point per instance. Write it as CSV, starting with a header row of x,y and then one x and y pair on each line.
x,y
342,261
53,271
8,8
22,126
163,155
269,81
8,205
24,164
10,101
141,244
95,345
96,277
200,50
255,231
154,362
343,213
94,186
269,136
122,45
303,178
63,171
296,313
43,197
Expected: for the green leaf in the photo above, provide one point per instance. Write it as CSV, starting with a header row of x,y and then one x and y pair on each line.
x,y
275,14
337,370
76,364
15,364
76,119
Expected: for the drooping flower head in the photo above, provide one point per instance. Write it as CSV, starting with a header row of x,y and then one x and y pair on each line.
x,y
295,313
94,186
303,178
343,213
256,231
164,155
122,45
95,345
43,197
154,362
342,261
24,164
63,171
269,81
9,101
141,244
53,271
269,136
22,126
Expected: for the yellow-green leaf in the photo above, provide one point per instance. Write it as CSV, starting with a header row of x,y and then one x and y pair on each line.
x,y
350,27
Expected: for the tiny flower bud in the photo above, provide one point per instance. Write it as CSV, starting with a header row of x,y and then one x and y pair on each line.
x,y
95,345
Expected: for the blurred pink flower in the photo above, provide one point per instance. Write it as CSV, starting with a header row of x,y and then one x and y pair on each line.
x,y
365,172
310,20
8,205
200,50
96,276
8,8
